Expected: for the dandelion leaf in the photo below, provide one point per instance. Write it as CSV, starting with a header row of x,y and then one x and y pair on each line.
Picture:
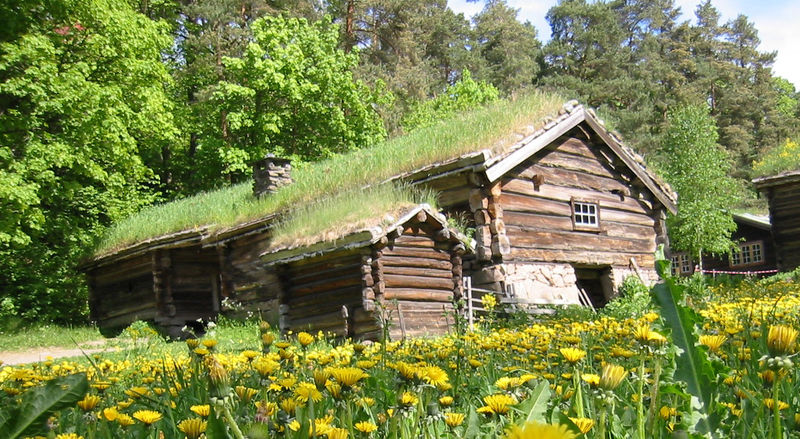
x,y
693,366
535,406
40,402
216,426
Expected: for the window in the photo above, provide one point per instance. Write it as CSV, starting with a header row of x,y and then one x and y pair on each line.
x,y
681,264
585,215
748,253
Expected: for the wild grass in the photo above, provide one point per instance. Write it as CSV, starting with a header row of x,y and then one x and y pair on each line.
x,y
348,212
496,127
47,336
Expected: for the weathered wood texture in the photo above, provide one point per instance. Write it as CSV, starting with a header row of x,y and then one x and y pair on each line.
x,y
245,279
784,211
537,214
746,233
318,288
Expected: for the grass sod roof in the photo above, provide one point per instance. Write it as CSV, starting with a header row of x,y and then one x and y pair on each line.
x,y
496,126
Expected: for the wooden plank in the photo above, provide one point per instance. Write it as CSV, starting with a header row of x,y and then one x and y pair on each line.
x,y
349,279
414,241
578,164
569,178
323,272
575,146
393,280
417,253
419,271
414,294
596,257
403,261
526,221
561,193
577,241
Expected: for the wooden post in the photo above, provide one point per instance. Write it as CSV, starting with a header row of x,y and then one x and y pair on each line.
x,y
468,287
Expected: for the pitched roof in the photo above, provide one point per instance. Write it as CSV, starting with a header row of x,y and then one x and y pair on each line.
x,y
777,180
358,238
758,221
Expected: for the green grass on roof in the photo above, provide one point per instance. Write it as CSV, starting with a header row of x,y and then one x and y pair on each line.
x,y
348,212
492,127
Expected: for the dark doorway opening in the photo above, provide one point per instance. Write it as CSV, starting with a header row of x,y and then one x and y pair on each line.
x,y
596,282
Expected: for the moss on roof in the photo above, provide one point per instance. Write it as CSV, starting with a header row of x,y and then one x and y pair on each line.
x,y
495,126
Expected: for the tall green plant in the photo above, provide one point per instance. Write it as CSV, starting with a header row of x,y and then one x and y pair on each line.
x,y
39,403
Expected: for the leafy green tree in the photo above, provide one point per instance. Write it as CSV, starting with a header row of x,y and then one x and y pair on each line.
x,y
698,169
292,93
463,95
82,101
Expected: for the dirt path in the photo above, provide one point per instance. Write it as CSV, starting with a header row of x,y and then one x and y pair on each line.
x,y
34,355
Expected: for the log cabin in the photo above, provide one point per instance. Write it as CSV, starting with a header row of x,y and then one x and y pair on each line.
x,y
783,195
561,210
405,274
754,255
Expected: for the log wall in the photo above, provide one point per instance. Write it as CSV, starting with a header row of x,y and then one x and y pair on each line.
x,y
318,288
122,293
537,214
784,211
245,280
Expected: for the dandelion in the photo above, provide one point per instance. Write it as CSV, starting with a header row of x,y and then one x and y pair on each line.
x,y
583,424
124,420
109,414
337,433
453,419
89,402
348,376
306,391
365,427
305,339
201,410
781,340
446,401
497,404
209,343
265,367
770,404
535,430
245,393
249,354
147,417
68,436
612,376
433,375
489,302
409,399
713,342
572,355
193,428
591,379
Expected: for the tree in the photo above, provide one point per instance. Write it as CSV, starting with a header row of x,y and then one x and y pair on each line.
x,y
463,95
292,93
698,169
82,100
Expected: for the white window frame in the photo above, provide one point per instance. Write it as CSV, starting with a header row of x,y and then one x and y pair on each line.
x,y
583,212
747,254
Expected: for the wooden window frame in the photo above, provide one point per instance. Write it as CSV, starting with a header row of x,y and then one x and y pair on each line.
x,y
581,226
745,251
681,260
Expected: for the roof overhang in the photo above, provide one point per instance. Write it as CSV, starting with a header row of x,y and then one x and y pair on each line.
x,y
757,221
787,177
180,239
541,139
354,240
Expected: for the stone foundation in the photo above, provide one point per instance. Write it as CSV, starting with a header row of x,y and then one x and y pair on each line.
x,y
545,283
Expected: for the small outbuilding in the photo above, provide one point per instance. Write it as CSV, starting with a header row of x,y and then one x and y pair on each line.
x,y
783,195
405,274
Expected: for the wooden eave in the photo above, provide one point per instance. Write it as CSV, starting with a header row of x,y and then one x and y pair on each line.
x,y
758,222
252,227
788,177
180,239
434,171
541,139
357,239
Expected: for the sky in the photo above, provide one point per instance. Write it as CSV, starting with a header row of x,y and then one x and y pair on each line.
x,y
777,21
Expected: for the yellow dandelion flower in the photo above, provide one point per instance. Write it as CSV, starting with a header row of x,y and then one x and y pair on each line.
x,y
68,436
209,343
535,430
365,427
453,419
289,405
334,388
193,428
713,342
337,433
201,410
583,424
267,340
591,378
282,344
201,351
781,340
497,404
249,354
305,339
770,404
572,355
265,367
305,391
612,376
109,414
124,420
136,392
147,417
446,401
433,375
409,399
348,376
245,393
89,402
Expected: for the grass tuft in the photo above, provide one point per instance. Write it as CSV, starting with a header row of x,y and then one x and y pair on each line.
x,y
496,127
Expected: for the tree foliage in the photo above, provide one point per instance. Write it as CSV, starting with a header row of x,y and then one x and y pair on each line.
x,y
82,101
698,170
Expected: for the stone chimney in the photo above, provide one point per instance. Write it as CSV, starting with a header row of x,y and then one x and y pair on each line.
x,y
269,174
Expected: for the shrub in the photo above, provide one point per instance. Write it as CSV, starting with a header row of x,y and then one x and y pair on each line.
x,y
633,300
